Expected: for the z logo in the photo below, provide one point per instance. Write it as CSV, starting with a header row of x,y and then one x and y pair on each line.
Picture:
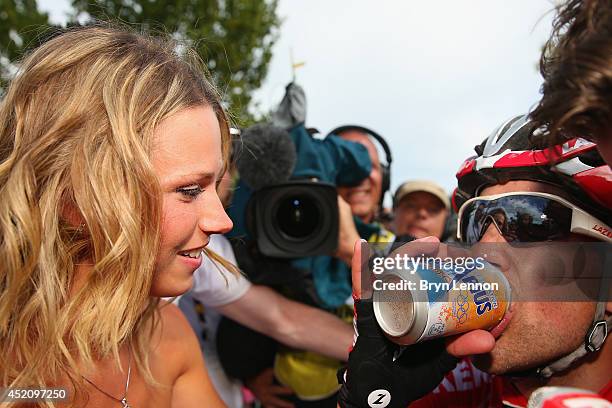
x,y
379,399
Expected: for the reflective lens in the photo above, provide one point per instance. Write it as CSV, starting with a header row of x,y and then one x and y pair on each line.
x,y
298,216
518,218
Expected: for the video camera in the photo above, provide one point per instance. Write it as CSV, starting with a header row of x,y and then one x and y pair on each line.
x,y
286,199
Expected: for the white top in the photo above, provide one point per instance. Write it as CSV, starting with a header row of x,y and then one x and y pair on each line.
x,y
211,288
213,285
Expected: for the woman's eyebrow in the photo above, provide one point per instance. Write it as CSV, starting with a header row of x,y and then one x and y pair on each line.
x,y
186,177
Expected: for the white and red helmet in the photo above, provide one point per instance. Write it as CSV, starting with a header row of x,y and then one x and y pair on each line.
x,y
509,153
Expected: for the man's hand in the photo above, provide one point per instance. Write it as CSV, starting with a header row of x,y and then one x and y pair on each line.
x,y
263,387
380,373
347,233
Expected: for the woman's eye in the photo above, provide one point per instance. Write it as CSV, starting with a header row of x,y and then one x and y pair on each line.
x,y
190,192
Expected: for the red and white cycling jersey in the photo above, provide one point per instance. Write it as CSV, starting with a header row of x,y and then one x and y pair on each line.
x,y
467,386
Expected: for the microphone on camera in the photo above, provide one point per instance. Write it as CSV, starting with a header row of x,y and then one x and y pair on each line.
x,y
266,156
566,397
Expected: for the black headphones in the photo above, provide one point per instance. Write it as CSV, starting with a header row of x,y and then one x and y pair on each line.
x,y
385,167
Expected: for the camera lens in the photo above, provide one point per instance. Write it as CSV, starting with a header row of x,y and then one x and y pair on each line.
x,y
298,216
295,219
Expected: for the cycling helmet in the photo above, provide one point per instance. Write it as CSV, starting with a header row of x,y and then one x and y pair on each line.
x,y
509,154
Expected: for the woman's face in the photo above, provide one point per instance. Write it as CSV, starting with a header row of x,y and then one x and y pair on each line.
x,y
187,159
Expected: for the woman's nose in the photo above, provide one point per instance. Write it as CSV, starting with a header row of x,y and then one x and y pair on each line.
x,y
214,219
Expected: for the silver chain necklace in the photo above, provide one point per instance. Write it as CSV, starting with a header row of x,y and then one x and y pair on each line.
x,y
123,401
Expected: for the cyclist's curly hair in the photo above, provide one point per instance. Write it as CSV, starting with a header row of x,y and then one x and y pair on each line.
x,y
576,64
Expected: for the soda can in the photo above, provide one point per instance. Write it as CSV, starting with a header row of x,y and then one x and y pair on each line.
x,y
440,301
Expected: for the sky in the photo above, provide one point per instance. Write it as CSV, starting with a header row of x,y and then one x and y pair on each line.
x,y
433,77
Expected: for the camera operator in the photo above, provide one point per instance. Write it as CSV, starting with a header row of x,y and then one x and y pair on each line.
x,y
364,198
538,343
309,376
367,197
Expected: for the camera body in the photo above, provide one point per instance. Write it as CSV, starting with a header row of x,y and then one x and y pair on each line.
x,y
286,201
294,219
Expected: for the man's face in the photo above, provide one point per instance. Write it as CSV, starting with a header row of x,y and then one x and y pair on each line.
x,y
538,332
364,198
421,215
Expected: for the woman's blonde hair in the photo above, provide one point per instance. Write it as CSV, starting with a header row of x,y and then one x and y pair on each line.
x,y
76,125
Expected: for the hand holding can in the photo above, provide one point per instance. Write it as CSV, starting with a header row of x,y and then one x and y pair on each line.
x,y
381,372
438,293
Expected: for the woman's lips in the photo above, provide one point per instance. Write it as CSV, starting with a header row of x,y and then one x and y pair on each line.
x,y
192,262
501,326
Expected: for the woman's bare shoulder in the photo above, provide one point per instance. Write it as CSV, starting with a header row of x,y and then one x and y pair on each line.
x,y
170,336
173,328
172,316
179,347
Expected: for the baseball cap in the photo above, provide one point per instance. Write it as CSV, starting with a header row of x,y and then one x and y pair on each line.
x,y
420,185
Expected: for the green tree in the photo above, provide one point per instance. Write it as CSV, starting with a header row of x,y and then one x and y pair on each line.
x,y
233,37
20,25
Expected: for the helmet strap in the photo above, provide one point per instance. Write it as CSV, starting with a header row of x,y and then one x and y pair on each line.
x,y
593,341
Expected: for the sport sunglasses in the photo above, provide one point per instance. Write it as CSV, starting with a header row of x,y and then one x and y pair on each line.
x,y
524,216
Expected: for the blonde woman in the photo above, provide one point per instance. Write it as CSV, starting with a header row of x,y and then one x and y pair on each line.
x,y
111,145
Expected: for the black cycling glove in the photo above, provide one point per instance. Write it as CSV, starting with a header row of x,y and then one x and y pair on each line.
x,y
382,374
